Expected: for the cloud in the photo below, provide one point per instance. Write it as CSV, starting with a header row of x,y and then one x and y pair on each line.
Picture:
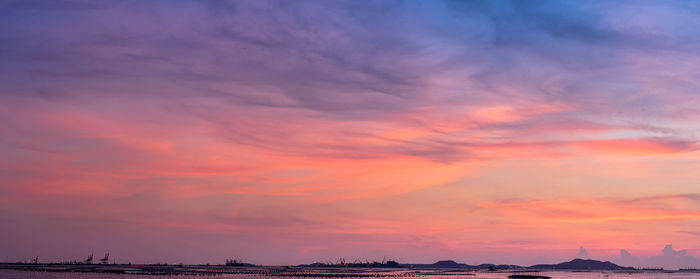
x,y
350,121
582,254
669,259
604,210
691,233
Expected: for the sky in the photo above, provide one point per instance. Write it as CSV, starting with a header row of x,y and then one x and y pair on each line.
x,y
288,132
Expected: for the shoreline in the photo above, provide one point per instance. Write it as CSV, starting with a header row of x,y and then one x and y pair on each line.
x,y
281,271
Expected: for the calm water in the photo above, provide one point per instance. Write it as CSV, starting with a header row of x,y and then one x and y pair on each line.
x,y
16,274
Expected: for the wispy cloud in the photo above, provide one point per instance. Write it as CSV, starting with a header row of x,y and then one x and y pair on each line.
x,y
352,120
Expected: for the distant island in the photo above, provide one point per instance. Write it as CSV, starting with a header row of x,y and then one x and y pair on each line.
x,y
581,264
576,264
453,264
338,269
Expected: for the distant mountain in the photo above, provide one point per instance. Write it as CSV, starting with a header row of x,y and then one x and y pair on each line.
x,y
576,264
582,264
448,264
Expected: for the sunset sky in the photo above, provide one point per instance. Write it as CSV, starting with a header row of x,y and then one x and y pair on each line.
x,y
288,132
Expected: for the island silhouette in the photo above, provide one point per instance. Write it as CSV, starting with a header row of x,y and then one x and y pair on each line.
x,y
337,269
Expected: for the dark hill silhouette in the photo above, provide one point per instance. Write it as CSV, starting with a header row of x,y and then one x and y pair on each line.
x,y
582,264
576,264
448,264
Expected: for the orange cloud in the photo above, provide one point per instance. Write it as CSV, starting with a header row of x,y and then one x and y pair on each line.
x,y
601,210
637,147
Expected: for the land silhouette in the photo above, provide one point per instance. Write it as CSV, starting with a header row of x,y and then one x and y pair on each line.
x,y
343,268
338,269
